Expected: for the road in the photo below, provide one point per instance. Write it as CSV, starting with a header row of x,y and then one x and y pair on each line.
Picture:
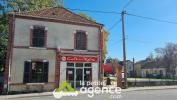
x,y
168,94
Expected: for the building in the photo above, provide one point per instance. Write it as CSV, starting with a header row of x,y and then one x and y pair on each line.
x,y
130,68
152,69
137,70
49,46
156,72
129,65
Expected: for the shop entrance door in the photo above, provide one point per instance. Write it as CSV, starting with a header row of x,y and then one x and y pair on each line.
x,y
77,73
79,77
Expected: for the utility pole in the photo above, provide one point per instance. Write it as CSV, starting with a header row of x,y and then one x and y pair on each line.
x,y
124,51
133,67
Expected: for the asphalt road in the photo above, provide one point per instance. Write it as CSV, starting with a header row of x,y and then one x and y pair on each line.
x,y
168,94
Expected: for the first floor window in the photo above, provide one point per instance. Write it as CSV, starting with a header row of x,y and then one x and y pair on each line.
x,y
35,72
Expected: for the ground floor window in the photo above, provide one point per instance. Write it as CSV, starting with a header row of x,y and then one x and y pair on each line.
x,y
78,72
35,71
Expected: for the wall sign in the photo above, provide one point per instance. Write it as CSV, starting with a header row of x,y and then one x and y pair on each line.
x,y
79,59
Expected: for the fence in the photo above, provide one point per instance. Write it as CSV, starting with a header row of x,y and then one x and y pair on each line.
x,y
153,79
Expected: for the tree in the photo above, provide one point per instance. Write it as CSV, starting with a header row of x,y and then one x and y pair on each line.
x,y
29,5
114,64
104,51
3,36
106,33
168,57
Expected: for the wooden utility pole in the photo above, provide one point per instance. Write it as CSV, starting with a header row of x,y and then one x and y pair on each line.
x,y
134,67
124,51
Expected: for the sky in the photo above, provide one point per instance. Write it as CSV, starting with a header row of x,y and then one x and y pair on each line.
x,y
142,35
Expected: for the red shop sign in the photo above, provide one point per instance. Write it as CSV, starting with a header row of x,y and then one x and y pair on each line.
x,y
79,59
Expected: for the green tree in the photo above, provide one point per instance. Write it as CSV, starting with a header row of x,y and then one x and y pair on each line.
x,y
3,36
29,5
106,33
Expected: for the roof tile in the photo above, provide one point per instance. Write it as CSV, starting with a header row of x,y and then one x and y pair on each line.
x,y
58,13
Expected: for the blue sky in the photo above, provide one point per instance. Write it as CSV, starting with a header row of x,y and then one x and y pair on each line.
x,y
142,36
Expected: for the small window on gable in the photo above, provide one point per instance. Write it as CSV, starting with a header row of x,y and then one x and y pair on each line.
x,y
80,40
38,36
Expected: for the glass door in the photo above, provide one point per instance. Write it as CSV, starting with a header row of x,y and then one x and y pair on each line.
x,y
78,73
87,76
70,73
79,77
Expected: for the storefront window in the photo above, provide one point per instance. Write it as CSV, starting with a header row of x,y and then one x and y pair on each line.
x,y
78,72
70,64
88,65
79,64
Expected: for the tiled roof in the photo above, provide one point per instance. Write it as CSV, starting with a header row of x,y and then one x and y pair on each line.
x,y
58,13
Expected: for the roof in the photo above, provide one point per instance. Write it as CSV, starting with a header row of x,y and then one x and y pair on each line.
x,y
151,65
58,13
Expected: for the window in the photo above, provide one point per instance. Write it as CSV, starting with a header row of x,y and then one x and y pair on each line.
x,y
35,72
88,65
79,64
70,64
80,40
38,36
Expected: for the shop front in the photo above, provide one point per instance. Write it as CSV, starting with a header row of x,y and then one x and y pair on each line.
x,y
79,70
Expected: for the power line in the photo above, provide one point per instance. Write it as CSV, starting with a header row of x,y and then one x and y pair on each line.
x,y
149,18
86,10
113,26
116,23
145,42
95,11
114,43
127,4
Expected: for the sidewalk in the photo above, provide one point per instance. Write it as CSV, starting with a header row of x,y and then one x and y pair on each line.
x,y
149,88
5,97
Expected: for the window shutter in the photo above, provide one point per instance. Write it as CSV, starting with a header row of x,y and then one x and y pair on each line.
x,y
27,68
46,68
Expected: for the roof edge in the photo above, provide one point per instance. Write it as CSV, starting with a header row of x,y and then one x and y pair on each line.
x,y
56,20
19,14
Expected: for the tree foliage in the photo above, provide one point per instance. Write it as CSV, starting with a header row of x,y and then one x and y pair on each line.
x,y
168,58
29,5
3,36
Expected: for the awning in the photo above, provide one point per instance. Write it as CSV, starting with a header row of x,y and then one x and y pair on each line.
x,y
106,68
